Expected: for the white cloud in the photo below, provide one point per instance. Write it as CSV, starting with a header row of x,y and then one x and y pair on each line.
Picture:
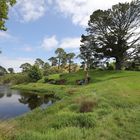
x,y
80,10
49,43
70,43
15,63
30,10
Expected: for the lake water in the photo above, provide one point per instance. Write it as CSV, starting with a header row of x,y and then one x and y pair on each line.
x,y
15,102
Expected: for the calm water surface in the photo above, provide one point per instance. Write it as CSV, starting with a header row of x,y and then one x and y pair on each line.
x,y
15,102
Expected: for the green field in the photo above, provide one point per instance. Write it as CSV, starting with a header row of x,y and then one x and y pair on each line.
x,y
106,109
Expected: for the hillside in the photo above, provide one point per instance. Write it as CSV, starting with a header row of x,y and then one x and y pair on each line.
x,y
106,109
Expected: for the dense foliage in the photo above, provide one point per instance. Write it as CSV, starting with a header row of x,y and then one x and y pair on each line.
x,y
113,33
34,74
4,8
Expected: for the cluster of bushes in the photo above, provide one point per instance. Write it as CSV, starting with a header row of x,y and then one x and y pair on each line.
x,y
48,80
14,78
133,66
54,70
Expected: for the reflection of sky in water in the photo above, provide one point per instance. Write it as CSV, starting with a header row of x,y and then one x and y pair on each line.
x,y
14,103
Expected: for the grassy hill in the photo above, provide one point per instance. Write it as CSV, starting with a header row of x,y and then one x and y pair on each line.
x,y
106,109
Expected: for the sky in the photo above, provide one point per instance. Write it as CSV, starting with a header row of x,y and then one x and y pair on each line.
x,y
37,27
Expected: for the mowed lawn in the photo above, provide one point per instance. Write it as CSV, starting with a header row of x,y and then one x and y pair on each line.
x,y
106,109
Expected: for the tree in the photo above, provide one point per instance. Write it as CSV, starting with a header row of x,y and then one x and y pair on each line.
x,y
115,31
34,73
2,71
39,63
25,67
53,61
4,8
88,53
70,56
46,68
46,65
60,55
11,70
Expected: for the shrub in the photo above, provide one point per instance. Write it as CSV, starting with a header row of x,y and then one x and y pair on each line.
x,y
46,79
55,70
87,106
34,74
14,78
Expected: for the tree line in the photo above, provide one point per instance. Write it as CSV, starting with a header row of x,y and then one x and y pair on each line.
x,y
113,36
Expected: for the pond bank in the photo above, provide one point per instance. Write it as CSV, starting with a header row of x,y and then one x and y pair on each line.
x,y
113,110
15,102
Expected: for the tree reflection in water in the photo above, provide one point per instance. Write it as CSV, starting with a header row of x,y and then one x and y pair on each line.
x,y
34,100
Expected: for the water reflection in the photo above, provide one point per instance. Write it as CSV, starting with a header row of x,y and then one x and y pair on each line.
x,y
34,100
15,102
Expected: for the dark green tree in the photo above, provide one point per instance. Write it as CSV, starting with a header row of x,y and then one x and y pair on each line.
x,y
70,57
60,56
115,31
46,68
88,52
3,71
25,67
34,74
53,61
11,70
4,8
39,63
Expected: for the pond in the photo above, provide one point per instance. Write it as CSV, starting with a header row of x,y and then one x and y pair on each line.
x,y
15,102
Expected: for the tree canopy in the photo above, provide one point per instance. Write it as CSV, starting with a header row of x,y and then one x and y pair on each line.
x,y
113,33
4,8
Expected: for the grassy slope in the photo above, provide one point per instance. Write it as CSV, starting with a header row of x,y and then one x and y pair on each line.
x,y
114,117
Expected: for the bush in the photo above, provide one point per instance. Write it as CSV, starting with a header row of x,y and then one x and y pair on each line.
x,y
87,106
34,74
46,79
14,78
86,103
55,70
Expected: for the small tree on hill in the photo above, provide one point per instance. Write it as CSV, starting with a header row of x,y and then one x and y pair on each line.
x,y
70,57
25,67
11,70
60,56
39,63
53,61
35,73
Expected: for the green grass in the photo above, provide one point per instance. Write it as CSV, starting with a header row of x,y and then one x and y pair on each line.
x,y
114,114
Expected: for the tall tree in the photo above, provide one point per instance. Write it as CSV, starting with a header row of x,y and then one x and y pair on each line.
x,y
3,71
39,63
25,67
4,8
11,70
53,61
88,53
70,57
46,68
115,31
60,55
